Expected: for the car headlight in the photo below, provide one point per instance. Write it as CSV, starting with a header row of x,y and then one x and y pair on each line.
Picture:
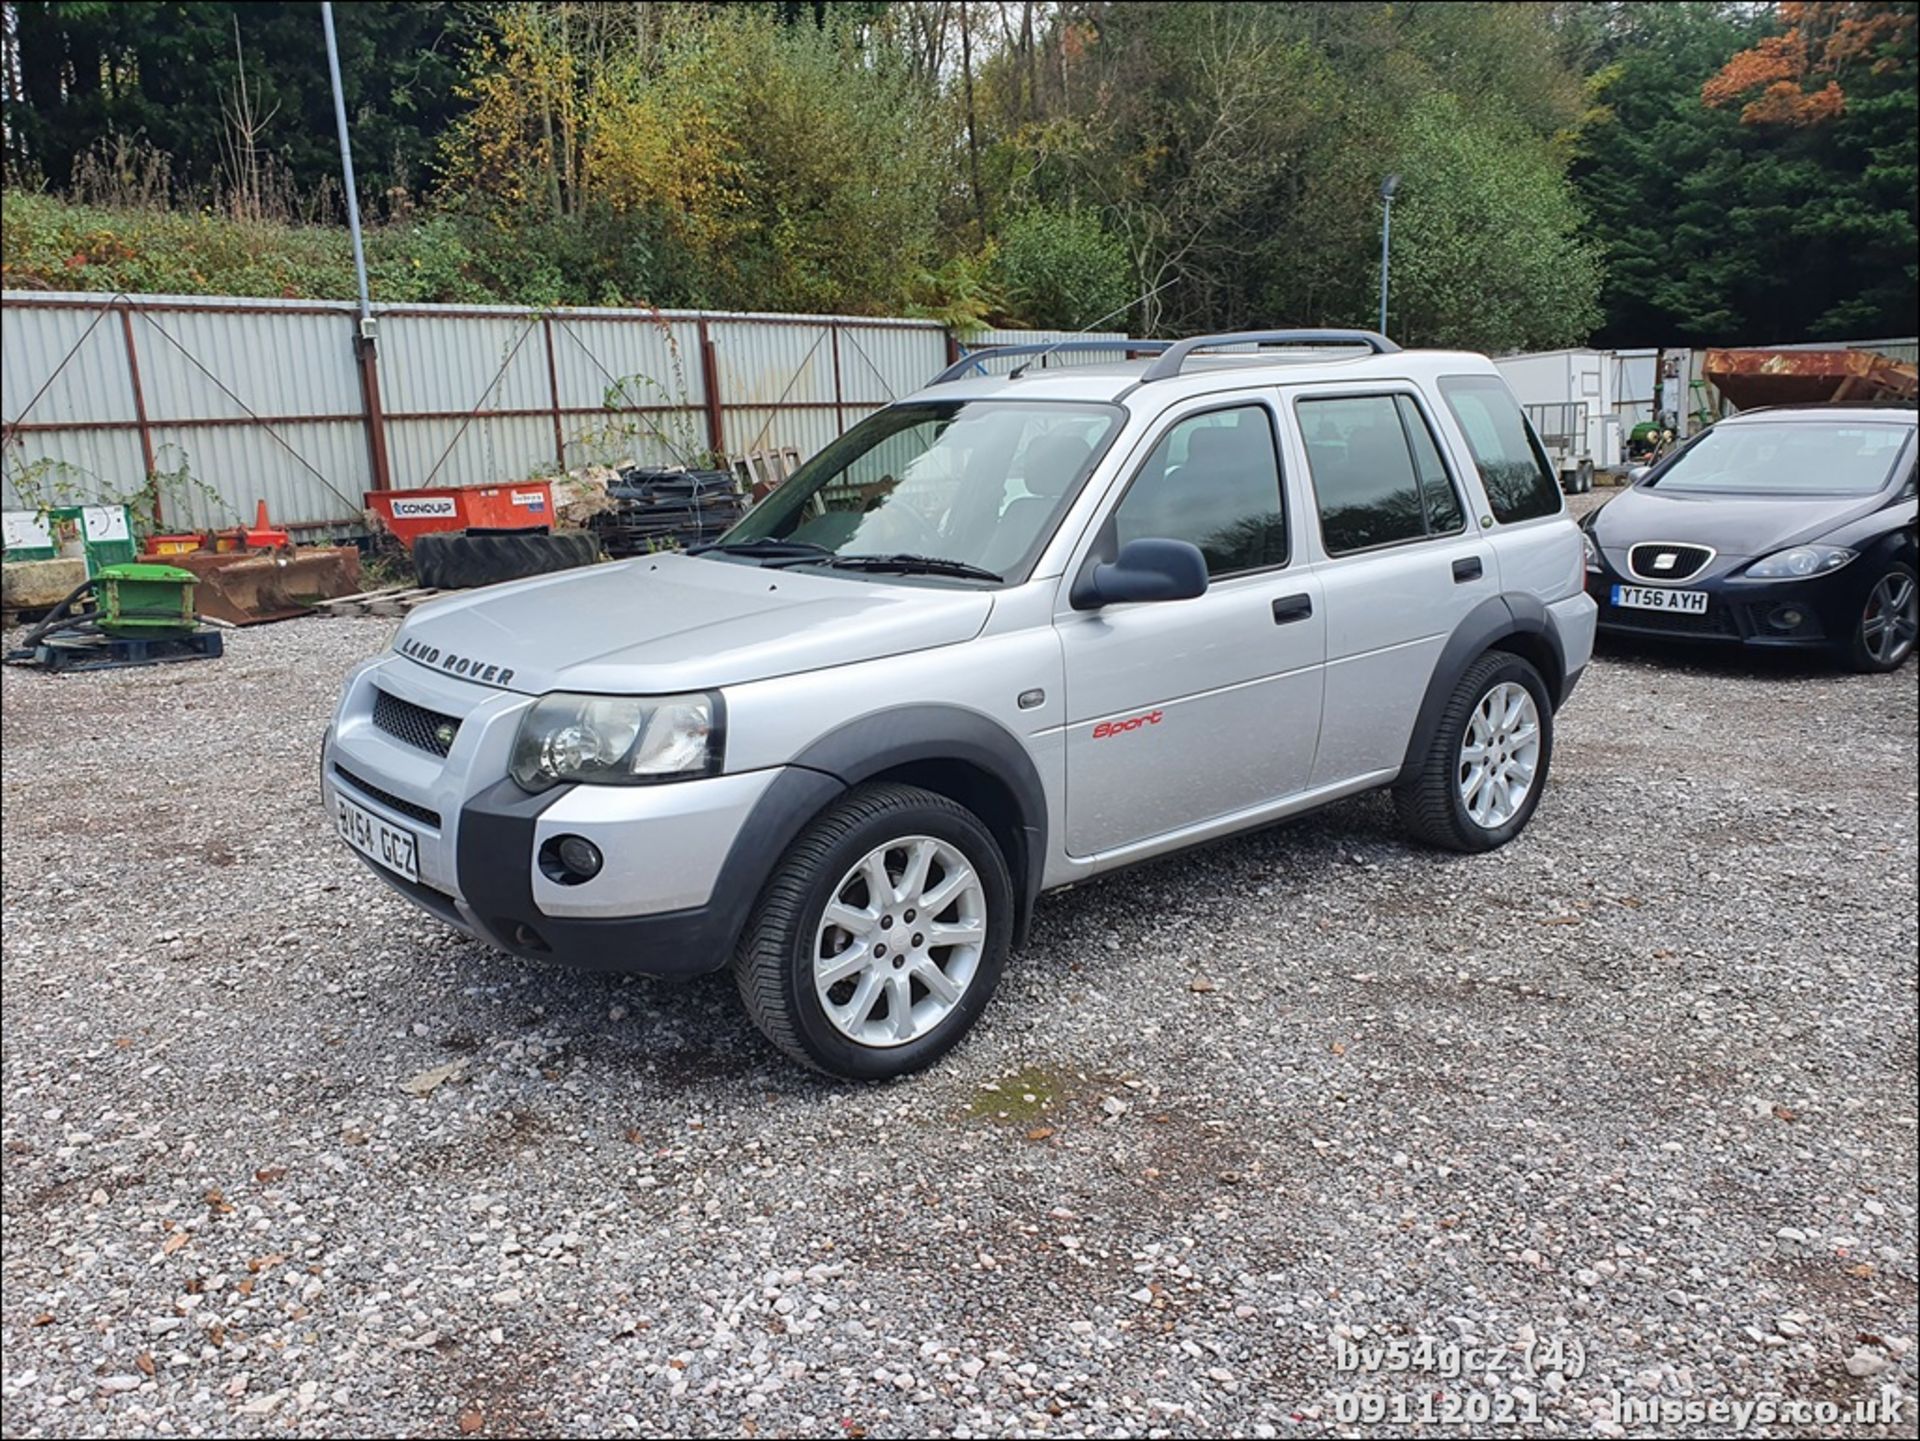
x,y
1799,562
617,740
1593,552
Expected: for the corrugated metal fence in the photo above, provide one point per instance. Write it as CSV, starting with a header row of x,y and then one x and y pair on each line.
x,y
203,406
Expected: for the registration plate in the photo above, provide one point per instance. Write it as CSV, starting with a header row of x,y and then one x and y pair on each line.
x,y
1647,597
396,849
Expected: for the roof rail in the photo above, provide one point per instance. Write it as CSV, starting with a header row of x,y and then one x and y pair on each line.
x,y
1169,361
977,359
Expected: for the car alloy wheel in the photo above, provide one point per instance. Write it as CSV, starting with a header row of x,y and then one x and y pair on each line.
x,y
899,941
1890,621
1499,755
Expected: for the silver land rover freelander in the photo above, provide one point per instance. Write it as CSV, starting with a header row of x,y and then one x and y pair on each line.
x,y
1004,635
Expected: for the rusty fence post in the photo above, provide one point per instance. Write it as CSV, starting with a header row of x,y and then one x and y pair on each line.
x,y
363,345
710,382
140,414
553,391
839,396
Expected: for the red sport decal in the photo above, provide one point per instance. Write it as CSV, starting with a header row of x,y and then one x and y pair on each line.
x,y
1121,727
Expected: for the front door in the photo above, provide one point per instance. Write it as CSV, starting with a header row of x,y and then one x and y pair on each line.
x,y
1180,712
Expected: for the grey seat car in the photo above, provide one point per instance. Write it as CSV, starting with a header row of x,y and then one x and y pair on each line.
x,y
1004,635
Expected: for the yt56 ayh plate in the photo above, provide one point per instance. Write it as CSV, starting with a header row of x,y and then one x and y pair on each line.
x,y
1649,597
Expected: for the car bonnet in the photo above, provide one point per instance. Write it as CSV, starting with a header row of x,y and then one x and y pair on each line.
x,y
661,624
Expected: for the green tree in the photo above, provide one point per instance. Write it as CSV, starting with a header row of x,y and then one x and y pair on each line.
x,y
1725,228
1057,269
1489,252
1237,152
752,164
168,72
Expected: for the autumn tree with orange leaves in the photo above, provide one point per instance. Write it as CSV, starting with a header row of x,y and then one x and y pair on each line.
x,y
1798,74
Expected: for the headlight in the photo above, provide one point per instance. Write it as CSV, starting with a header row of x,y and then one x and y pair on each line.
x,y
1800,562
1592,550
617,740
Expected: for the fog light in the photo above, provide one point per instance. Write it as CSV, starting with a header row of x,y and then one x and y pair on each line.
x,y
570,860
1786,617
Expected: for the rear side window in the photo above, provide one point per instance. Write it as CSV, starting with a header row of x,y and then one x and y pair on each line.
x,y
1377,474
1214,480
1513,467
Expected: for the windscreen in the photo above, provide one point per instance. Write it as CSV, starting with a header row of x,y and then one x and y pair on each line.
x,y
1788,457
976,482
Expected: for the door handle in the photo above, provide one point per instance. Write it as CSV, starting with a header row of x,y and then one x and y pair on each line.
x,y
1292,608
1465,569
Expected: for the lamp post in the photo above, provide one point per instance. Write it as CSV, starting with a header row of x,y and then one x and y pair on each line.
x,y
1387,188
346,162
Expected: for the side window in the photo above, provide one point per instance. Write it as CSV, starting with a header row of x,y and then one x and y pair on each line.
x,y
1444,515
1520,483
1214,480
1373,484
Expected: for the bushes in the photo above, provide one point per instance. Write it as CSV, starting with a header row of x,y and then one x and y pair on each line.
x,y
738,162
1059,270
52,245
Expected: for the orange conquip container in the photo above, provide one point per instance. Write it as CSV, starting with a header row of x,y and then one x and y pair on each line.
x,y
410,514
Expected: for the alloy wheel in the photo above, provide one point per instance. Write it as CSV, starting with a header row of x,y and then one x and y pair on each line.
x,y
899,941
1499,755
1890,623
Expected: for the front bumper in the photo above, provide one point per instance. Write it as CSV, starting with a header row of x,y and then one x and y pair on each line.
x,y
1776,614
677,882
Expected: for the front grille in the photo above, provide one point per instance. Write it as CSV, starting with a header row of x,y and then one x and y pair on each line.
x,y
414,724
388,798
1682,562
1715,623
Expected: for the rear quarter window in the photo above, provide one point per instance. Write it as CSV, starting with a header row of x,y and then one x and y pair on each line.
x,y
1519,482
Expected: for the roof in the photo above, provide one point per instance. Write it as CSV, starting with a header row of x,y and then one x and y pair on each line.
x,y
1111,382
1883,411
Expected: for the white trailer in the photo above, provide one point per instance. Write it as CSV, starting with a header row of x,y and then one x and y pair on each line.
x,y
1569,395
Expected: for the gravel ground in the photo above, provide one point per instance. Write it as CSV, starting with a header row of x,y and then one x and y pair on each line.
x,y
1638,1089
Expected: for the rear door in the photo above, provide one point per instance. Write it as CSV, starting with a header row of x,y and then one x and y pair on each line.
x,y
1400,559
1180,712
1539,552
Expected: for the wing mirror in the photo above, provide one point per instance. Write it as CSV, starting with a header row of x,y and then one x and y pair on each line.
x,y
1638,474
1144,570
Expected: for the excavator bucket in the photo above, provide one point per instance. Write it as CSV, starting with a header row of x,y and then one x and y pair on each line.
x,y
248,587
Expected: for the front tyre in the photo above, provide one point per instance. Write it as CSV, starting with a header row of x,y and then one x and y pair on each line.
x,y
1481,778
1883,636
881,935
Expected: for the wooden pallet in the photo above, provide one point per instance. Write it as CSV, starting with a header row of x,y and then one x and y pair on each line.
x,y
394,600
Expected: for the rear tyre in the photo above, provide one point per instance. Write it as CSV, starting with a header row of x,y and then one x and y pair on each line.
x,y
1883,636
462,562
1481,778
881,935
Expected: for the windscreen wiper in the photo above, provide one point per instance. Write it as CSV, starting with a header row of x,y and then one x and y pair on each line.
x,y
914,565
765,547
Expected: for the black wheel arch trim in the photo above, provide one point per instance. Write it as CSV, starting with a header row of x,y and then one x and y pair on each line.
x,y
1495,619
905,735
